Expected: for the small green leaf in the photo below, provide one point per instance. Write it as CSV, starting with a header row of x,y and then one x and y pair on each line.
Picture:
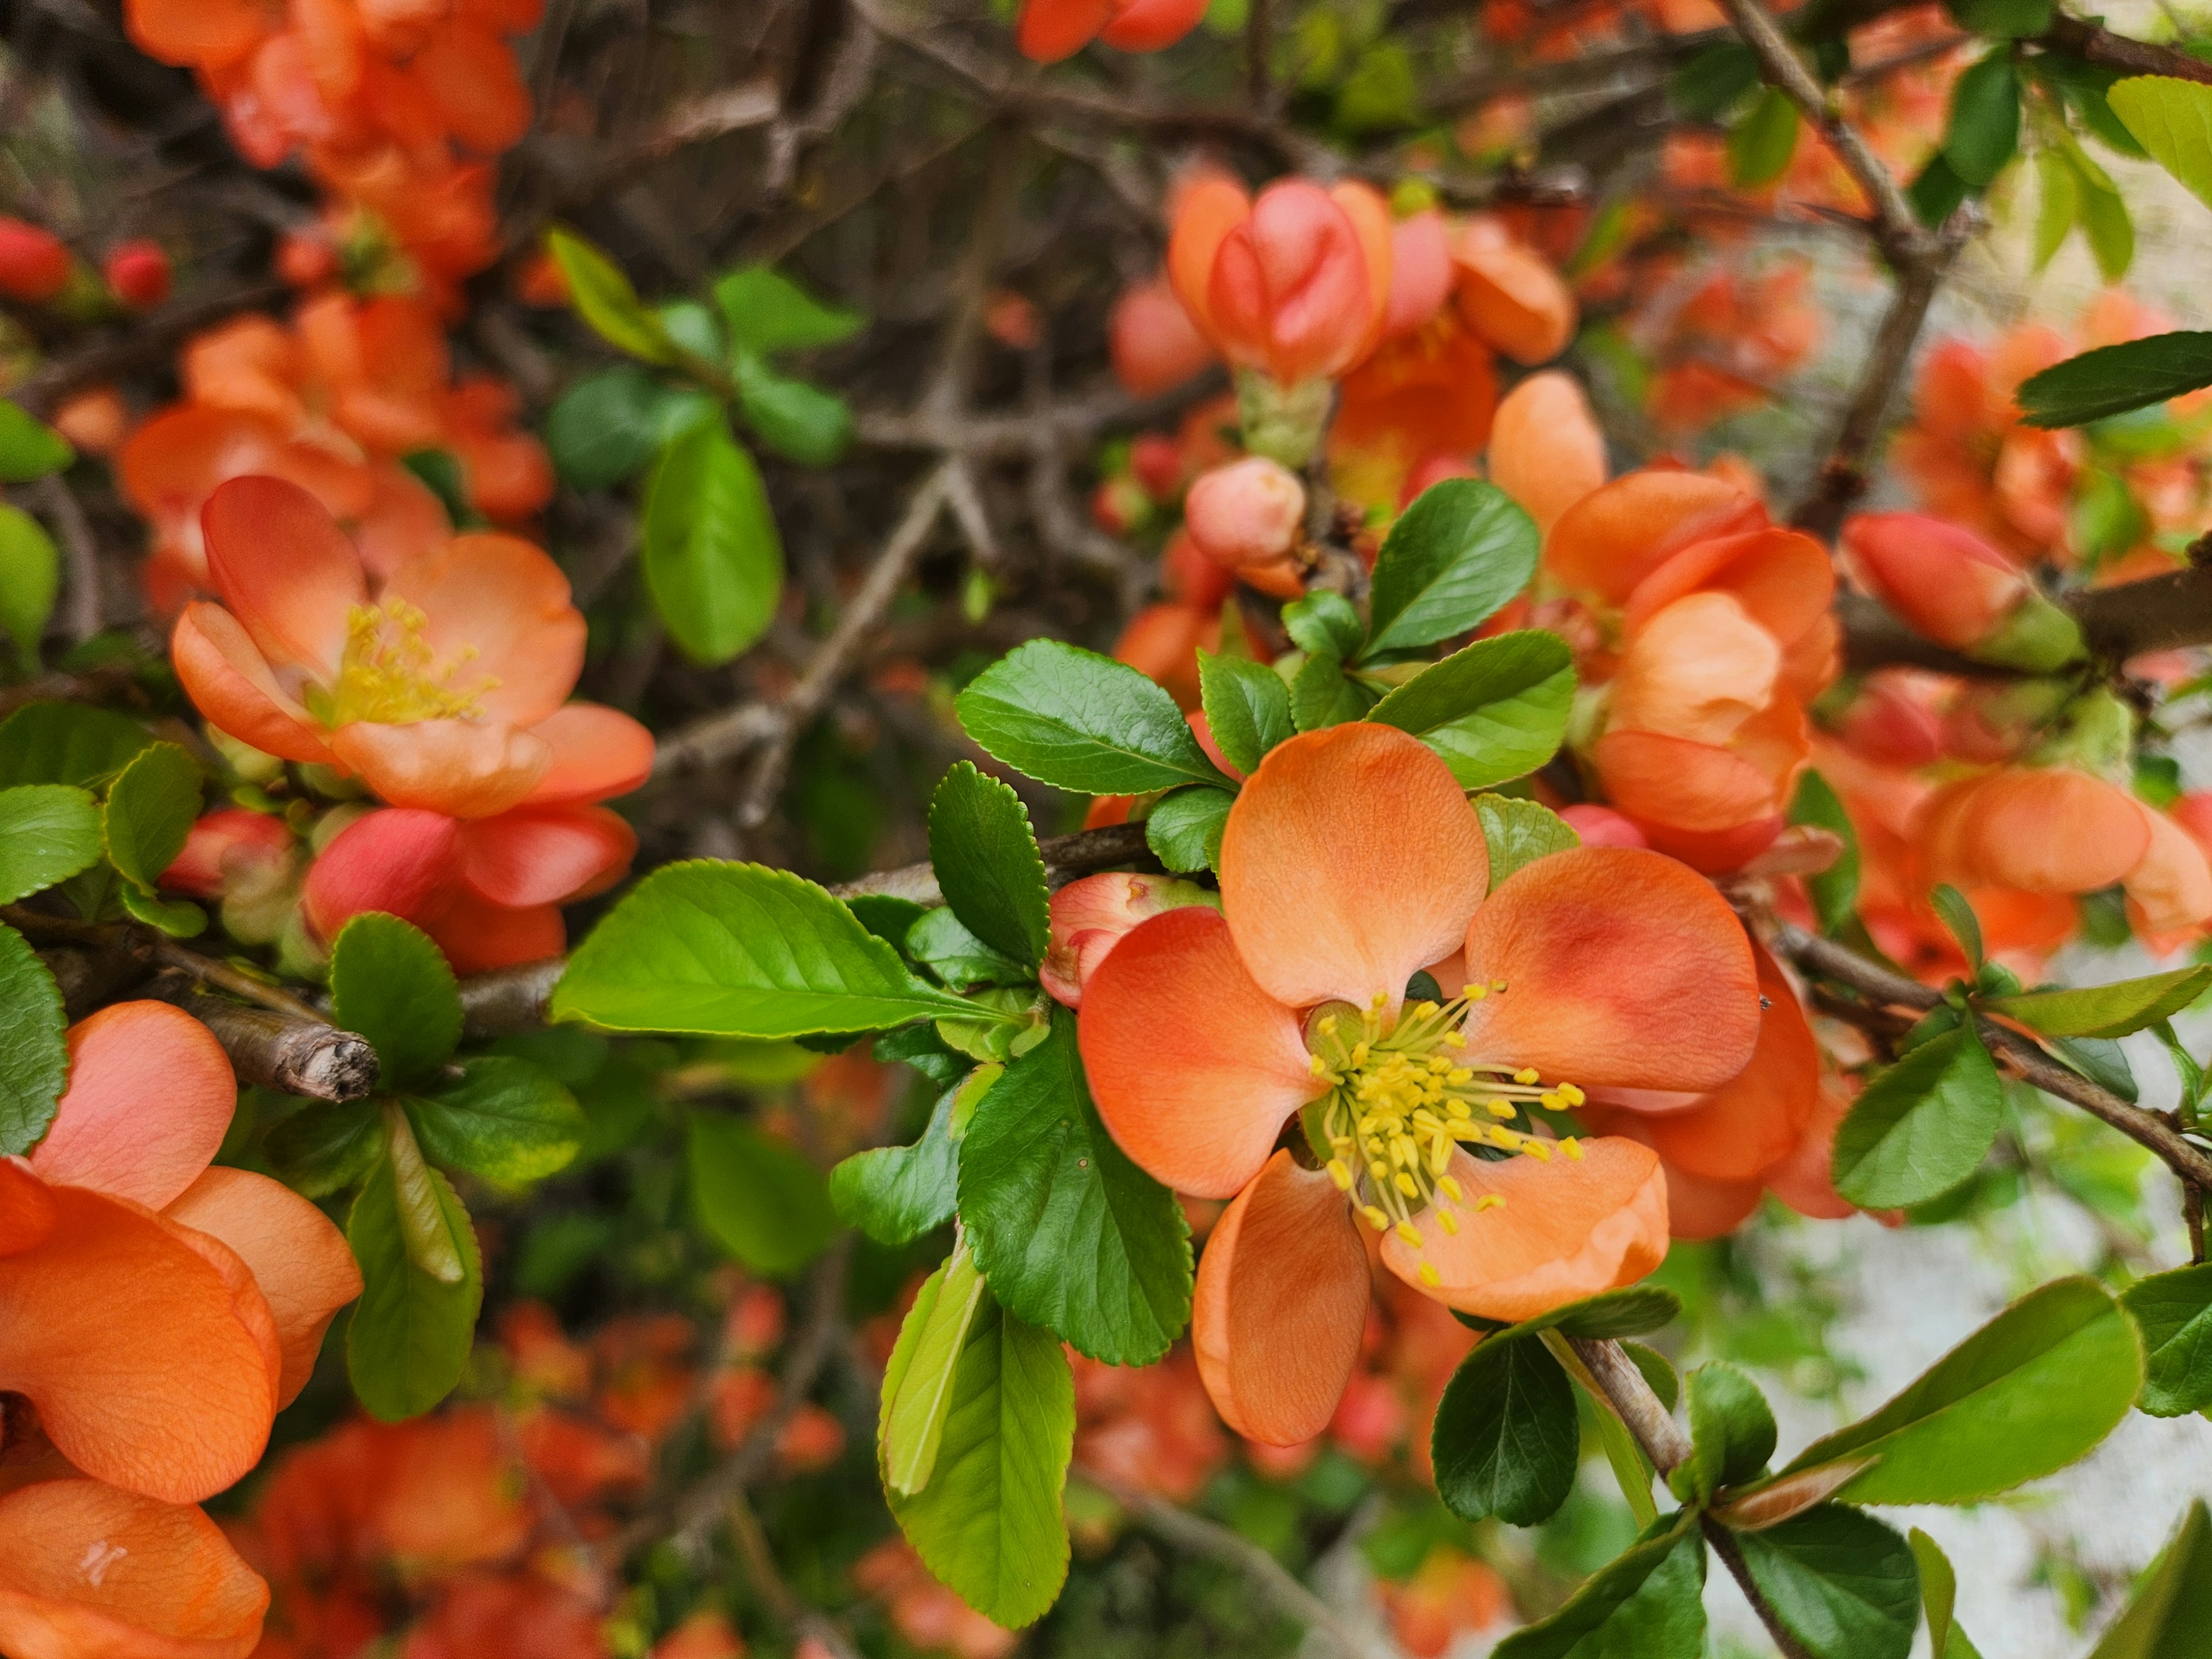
x,y
2172,1610
2107,1011
1078,720
410,1336
988,865
34,1059
1939,1592
608,426
2114,379
2172,119
1494,711
693,327
391,984
739,950
1762,140
66,743
941,943
768,313
1834,891
2017,19
713,558
759,1196
1507,1441
2111,233
1732,1433
30,577
2173,1310
1839,1581
178,918
1248,708
1629,1311
1519,832
29,449
897,1194
1983,133
604,298
1646,1604
1323,694
1936,192
149,811
928,1354
797,419
1324,622
1715,82
325,1149
1922,1126
1461,550
1184,829
505,1121
1959,916
2058,202
48,832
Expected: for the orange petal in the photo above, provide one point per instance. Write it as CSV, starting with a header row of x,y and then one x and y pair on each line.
x,y
598,754
150,1097
466,769
229,681
299,1259
1616,536
1546,450
27,1208
1512,298
1568,1229
1655,777
1050,30
1281,1305
1699,670
1804,1179
127,1337
1194,1066
1621,968
1350,860
1205,211
2170,886
477,935
2046,829
1782,579
1370,221
545,855
90,1571
285,570
504,606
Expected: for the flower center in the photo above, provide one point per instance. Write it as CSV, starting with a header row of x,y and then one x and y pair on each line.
x,y
1400,1101
390,674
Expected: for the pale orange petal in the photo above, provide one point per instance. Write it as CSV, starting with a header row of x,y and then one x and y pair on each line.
x,y
2047,830
1699,670
1616,536
1804,1180
1782,579
285,570
2171,885
501,608
1206,210
466,769
1655,777
150,1097
598,754
230,682
1512,298
1546,450
545,855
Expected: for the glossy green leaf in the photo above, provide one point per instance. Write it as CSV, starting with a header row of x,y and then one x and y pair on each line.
x,y
1762,140
1248,708
1939,1592
505,1121
1983,133
2173,1310
1323,694
897,1194
1184,829
48,832
1959,918
2172,119
940,942
931,1340
1078,720
713,558
391,984
325,1149
1459,552
178,918
758,1195
408,1337
2107,1011
739,950
1840,1581
1732,1433
985,853
2170,1615
1496,710
1936,192
1506,1440
1648,1603
30,577
2058,202
1835,891
608,427
67,743
1922,1126
1519,832
768,313
149,811
795,418
2114,379
2111,231
1072,1236
34,1060
2036,1388
1630,1312
604,298
1324,622
29,449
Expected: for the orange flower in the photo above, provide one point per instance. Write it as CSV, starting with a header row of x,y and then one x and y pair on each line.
x,y
1546,450
444,692
1973,461
1350,861
1050,30
1427,395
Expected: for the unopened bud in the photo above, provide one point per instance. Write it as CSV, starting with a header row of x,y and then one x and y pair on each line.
x,y
1089,917
34,264
138,273
1948,585
1250,512
1153,343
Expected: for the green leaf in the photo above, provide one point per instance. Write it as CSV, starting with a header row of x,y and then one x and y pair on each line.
x,y
1835,891
897,1194
149,811
1248,708
2173,1310
29,449
1762,141
1715,82
1322,694
1459,552
693,327
737,950
767,312
2016,20
2033,1390
325,1149
506,1121
48,832
604,298
1506,1439
988,865
2112,234
2107,1011
2112,380
1985,128
2058,202
608,426
34,1059
759,1196
66,743
2101,1060
917,1396
391,984
1323,622
2172,119
1732,1433
939,941
1959,916
1078,720
1072,1236
713,560
408,1338
1646,1604
1184,829
2172,1610
30,577
1839,1581
178,918
988,1524
1496,710
1939,1592
1936,193
1922,1126
797,419
1519,832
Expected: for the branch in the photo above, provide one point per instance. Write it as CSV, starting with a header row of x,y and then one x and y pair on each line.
x,y
1066,857
2098,45
508,1000
278,1051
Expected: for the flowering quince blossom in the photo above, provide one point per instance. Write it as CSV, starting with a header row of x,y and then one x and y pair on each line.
x,y
1350,861
154,1313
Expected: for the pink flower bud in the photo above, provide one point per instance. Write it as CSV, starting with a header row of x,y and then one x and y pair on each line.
x,y
1091,916
1420,273
1249,512
227,846
1154,344
1293,284
138,273
34,264
1945,583
1600,826
1156,462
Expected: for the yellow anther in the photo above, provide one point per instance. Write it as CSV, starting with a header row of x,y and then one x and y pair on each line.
x,y
1340,1173
1406,1184
1475,993
1410,1234
1552,1101
1429,1276
1449,1221
1459,1108
1527,1074
1573,1095
389,673
1379,1169
1326,1025
1460,1076
1498,1106
1380,1001
1452,1190
1426,1010
1497,985
1539,1150
1490,1201
1438,1065
1571,1147
1454,1039
1318,1066
1376,1218
1362,1049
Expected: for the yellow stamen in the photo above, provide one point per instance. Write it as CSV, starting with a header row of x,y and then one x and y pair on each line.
x,y
1429,1276
1410,1234
389,673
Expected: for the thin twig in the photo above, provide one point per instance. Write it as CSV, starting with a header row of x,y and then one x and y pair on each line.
x,y
2100,46
1066,857
751,1541
81,618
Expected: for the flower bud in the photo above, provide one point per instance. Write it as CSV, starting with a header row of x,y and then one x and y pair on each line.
x,y
1153,343
227,847
34,264
1951,586
1250,512
1152,25
1420,273
138,273
1091,916
1156,462
1050,30
307,260
1600,826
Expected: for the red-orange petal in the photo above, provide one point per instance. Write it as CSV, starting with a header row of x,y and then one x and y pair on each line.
x,y
2042,829
300,1263
91,1572
27,1207
1621,968
1804,1179
230,682
1546,450
478,936
466,769
285,570
546,855
1655,777
1616,536
1350,861
1782,578
501,609
150,1097
1050,30
1569,1227
598,753
1281,1305
1206,209
1193,1066
1511,297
